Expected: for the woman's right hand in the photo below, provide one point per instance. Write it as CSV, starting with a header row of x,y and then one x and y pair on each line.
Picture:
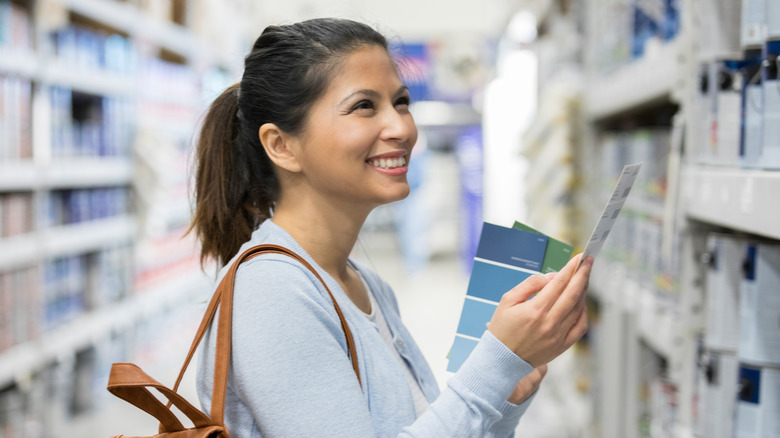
x,y
540,329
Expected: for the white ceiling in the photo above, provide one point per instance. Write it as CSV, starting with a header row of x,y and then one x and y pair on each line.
x,y
411,20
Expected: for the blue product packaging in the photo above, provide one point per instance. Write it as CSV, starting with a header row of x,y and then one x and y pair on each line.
x,y
758,403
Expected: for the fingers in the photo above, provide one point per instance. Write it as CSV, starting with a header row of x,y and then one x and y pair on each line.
x,y
557,285
579,328
573,293
525,290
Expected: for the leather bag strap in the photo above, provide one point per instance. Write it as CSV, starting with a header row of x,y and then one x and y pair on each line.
x,y
128,382
223,298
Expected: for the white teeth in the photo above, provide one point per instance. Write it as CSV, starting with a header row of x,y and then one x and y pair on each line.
x,y
389,163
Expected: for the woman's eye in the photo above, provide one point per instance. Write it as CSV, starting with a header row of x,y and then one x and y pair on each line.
x,y
403,101
363,105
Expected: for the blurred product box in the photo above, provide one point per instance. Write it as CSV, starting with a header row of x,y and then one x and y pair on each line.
x,y
720,372
770,149
15,26
720,25
15,118
724,276
759,403
753,22
772,19
752,107
759,331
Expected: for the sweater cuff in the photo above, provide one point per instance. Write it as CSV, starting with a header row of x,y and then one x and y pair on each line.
x,y
492,371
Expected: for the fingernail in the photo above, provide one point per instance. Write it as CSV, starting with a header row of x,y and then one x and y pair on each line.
x,y
589,260
549,275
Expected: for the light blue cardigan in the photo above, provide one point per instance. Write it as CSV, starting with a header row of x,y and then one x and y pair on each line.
x,y
290,375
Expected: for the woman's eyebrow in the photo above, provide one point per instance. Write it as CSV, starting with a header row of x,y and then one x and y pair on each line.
x,y
367,92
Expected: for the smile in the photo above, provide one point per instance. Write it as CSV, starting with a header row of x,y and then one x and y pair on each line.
x,y
388,163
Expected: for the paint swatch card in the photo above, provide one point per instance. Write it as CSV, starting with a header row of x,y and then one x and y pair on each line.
x,y
505,257
611,210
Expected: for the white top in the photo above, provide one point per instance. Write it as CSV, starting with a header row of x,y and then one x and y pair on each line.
x,y
376,317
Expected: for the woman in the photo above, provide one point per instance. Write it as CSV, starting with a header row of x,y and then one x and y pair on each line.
x,y
317,134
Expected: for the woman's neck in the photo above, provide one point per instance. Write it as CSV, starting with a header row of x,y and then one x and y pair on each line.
x,y
326,232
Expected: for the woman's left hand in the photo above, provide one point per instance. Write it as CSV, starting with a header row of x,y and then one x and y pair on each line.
x,y
528,385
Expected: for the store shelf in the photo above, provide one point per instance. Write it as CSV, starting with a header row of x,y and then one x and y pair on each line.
x,y
642,83
95,82
733,198
24,250
656,323
18,62
129,19
66,173
21,361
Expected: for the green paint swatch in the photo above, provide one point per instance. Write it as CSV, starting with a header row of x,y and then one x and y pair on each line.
x,y
557,254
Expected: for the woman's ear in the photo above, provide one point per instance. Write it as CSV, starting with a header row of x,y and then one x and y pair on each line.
x,y
280,147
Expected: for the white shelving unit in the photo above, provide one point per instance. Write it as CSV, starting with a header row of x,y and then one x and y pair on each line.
x,y
636,316
166,287
66,173
739,199
27,249
646,81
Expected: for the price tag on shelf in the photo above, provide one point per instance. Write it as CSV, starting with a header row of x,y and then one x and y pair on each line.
x,y
611,211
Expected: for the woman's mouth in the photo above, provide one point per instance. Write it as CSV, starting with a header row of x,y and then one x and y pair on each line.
x,y
388,163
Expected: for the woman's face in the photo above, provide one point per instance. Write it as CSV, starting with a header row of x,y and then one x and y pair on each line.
x,y
359,134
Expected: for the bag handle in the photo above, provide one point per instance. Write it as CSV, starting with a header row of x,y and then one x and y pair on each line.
x,y
128,382
223,297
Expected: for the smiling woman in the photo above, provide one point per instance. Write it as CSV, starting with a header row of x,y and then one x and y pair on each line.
x,y
316,135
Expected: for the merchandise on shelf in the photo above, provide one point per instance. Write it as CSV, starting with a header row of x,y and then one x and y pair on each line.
x,y
752,112
64,284
634,25
718,378
759,332
657,396
84,49
724,275
719,111
61,391
753,22
759,402
16,214
87,125
721,28
770,147
20,303
637,238
67,207
657,20
15,27
15,115
772,19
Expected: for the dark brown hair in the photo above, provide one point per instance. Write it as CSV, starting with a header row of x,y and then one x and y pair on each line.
x,y
287,70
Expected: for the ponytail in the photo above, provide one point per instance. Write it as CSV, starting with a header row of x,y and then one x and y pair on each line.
x,y
235,186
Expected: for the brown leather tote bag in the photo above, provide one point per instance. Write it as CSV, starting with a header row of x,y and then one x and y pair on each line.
x,y
128,382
